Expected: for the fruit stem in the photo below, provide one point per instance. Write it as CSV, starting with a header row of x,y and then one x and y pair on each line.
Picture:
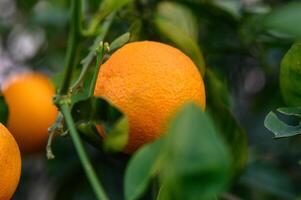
x,y
74,36
97,187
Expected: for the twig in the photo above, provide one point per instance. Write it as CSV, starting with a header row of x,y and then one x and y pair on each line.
x,y
63,99
98,189
105,27
74,36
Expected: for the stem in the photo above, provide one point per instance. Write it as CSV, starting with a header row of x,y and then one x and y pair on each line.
x,y
97,187
63,100
74,36
99,59
105,27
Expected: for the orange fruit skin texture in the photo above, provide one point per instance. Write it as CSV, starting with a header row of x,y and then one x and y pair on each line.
x,y
10,164
149,81
31,111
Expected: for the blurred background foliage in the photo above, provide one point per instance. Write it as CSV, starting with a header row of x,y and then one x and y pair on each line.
x,y
242,45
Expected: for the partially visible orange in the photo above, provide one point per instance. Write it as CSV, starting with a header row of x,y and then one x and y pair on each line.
x,y
149,81
10,164
31,111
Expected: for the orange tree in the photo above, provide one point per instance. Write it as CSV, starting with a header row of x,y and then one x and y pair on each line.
x,y
167,158
134,103
192,159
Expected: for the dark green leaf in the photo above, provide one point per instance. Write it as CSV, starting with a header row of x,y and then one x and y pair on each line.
x,y
88,112
141,169
286,19
97,109
84,109
120,41
181,16
216,90
233,7
115,125
163,195
290,76
110,6
136,29
279,128
293,111
197,162
176,23
107,112
3,111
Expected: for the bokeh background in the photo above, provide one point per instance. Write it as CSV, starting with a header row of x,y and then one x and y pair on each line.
x,y
33,36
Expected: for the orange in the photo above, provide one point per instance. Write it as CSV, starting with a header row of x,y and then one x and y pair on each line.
x,y
148,81
31,111
10,164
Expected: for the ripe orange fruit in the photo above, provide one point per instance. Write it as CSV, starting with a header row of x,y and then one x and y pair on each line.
x,y
10,164
149,81
31,111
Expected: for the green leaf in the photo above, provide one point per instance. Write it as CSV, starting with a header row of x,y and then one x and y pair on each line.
x,y
285,19
3,111
290,76
106,112
191,160
218,107
279,128
136,28
197,161
293,111
115,124
142,168
163,195
217,90
88,112
97,110
233,7
110,6
181,16
177,24
117,138
120,41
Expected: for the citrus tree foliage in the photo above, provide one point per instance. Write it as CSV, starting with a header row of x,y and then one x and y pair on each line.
x,y
249,55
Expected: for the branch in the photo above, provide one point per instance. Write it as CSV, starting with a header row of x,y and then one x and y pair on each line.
x,y
97,187
74,36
